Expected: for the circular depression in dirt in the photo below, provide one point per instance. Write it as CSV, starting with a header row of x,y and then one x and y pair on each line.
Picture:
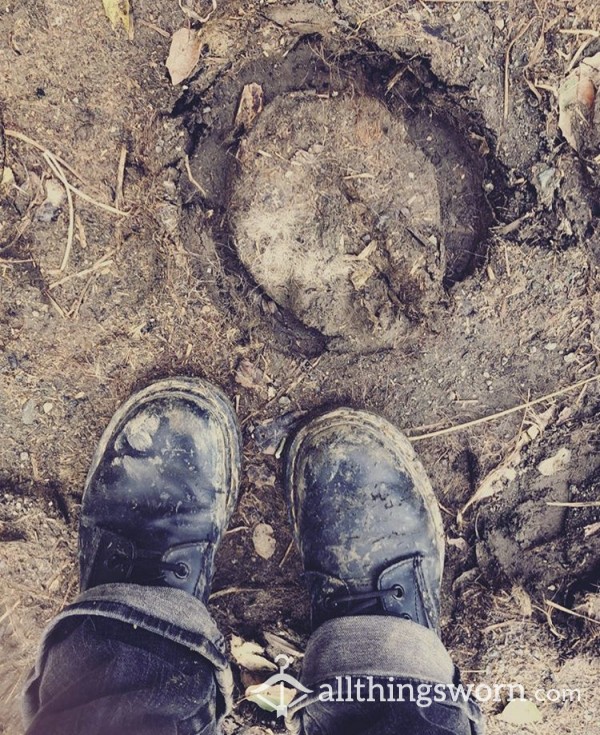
x,y
356,218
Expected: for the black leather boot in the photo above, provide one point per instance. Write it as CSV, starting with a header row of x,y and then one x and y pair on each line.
x,y
365,518
162,486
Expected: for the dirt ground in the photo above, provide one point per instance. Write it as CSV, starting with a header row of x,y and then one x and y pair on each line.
x,y
396,223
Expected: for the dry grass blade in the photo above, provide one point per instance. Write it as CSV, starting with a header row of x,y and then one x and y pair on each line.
x,y
96,203
506,412
509,49
9,611
105,260
196,16
188,170
232,591
119,197
60,174
34,143
556,606
581,504
74,190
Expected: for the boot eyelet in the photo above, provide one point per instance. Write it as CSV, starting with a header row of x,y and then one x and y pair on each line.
x,y
405,616
182,570
114,562
398,591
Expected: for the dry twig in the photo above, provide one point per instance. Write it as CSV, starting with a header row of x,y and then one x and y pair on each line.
x,y
188,170
60,174
506,412
509,49
556,606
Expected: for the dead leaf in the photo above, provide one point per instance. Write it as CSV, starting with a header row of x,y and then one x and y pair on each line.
x,y
523,600
249,655
520,712
119,12
591,530
361,274
264,541
576,102
183,54
281,645
590,606
506,471
250,376
250,107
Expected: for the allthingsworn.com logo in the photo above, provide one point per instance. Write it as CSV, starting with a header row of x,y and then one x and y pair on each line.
x,y
283,691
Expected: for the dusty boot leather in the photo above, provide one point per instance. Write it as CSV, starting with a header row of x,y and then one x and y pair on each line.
x,y
365,518
162,486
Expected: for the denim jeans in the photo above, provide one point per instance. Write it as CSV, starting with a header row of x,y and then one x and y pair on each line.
x,y
130,660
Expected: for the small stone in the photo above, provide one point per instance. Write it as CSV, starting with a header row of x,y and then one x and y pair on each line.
x,y
554,464
284,401
271,392
24,456
47,407
29,412
570,357
550,346
264,540
500,24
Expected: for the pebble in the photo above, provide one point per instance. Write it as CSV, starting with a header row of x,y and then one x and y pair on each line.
x,y
29,412
264,541
556,463
47,407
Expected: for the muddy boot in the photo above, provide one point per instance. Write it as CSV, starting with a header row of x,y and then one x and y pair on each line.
x,y
365,519
372,544
162,486
138,651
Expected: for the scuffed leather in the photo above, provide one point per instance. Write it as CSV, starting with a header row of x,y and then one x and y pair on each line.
x,y
162,486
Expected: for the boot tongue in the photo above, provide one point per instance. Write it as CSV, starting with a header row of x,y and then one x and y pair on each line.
x,y
401,591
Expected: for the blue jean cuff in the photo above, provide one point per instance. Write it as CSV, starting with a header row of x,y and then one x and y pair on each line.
x,y
170,613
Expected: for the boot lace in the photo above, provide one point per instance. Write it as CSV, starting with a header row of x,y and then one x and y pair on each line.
x,y
361,602
147,564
